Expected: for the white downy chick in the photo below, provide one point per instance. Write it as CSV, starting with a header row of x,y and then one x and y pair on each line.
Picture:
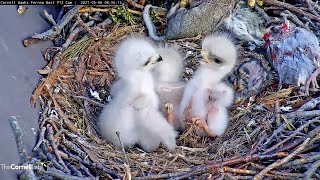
x,y
132,53
205,92
133,110
169,87
171,67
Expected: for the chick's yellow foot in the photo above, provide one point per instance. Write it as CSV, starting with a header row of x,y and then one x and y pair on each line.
x,y
169,112
313,80
200,123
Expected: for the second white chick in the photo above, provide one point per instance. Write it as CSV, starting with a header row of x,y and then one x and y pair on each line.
x,y
133,111
205,93
170,68
169,87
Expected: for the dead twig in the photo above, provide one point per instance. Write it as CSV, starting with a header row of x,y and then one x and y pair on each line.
x,y
311,7
310,105
303,114
127,164
74,33
292,8
292,135
294,19
41,138
55,30
58,175
306,160
49,18
55,149
89,100
29,174
282,161
85,27
312,170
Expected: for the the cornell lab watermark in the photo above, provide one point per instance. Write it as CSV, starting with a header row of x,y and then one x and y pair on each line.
x,y
41,165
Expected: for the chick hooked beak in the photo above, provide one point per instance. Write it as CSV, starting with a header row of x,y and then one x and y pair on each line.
x,y
153,60
205,57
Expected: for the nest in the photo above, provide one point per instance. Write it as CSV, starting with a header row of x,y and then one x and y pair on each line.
x,y
264,139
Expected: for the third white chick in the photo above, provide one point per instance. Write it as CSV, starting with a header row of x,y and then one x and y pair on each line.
x,y
207,95
133,110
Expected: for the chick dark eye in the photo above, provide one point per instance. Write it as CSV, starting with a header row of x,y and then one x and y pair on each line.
x,y
217,60
159,59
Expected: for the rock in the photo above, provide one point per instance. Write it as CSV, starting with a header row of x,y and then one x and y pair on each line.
x,y
202,19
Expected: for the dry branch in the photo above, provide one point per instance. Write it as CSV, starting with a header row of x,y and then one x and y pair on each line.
x,y
282,161
55,30
28,174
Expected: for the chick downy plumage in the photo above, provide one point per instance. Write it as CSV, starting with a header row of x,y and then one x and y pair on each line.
x,y
205,92
134,108
169,87
294,53
171,67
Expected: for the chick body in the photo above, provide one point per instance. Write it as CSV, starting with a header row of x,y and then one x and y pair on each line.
x,y
169,87
207,95
134,108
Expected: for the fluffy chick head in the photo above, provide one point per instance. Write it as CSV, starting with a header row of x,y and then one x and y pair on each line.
x,y
218,53
135,52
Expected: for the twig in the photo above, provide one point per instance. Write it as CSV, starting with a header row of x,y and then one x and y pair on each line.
x,y
292,8
311,7
300,161
168,164
310,105
211,167
74,148
89,100
316,6
58,175
105,23
282,161
55,149
303,114
106,59
18,137
49,18
239,171
86,171
55,30
41,138
312,170
294,19
274,147
74,33
29,174
85,27
126,165
276,132
260,167
160,176
277,111
193,149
